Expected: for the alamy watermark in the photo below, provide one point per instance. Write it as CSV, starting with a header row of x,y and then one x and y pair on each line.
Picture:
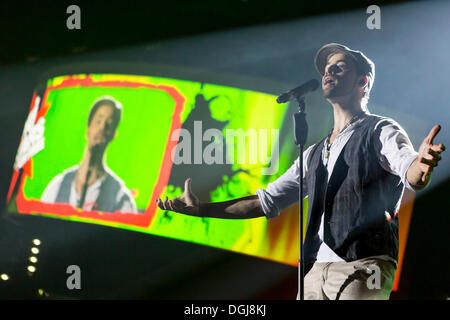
x,y
221,149
74,280
374,281
374,20
74,20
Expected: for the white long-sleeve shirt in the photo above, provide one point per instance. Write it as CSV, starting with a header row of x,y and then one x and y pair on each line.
x,y
123,196
397,154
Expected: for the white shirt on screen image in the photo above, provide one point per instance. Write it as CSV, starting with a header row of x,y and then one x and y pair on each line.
x,y
92,193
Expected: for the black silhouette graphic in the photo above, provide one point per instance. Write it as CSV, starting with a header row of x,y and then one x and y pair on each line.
x,y
206,177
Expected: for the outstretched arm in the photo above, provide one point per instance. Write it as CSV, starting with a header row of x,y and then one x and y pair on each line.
x,y
188,203
419,173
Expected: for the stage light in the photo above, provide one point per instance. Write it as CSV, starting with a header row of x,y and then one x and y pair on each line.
x,y
36,242
33,259
35,250
31,268
4,277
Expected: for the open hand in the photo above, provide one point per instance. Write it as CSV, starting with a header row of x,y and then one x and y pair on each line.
x,y
429,153
187,203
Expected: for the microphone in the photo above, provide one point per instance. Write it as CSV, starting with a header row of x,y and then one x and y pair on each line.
x,y
299,92
95,152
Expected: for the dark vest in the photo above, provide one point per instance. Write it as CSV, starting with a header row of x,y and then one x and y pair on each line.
x,y
355,200
106,201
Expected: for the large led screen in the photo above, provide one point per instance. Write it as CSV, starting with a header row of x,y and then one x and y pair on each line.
x,y
146,135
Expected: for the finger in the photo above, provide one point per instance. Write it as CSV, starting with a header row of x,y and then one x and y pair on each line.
x,y
436,155
169,203
431,163
166,206
426,174
160,204
187,185
434,131
438,148
425,177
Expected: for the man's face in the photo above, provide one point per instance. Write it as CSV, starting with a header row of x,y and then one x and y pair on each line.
x,y
340,77
102,128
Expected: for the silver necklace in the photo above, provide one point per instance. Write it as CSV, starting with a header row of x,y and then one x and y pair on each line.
x,y
352,120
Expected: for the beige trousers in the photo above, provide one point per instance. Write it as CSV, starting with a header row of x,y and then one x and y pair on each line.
x,y
365,279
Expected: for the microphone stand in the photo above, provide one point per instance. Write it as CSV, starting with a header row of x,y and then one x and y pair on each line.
x,y
300,136
94,153
84,189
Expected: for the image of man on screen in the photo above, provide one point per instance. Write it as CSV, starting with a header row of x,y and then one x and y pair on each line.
x,y
91,185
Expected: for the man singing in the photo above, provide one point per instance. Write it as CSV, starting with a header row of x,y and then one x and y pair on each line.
x,y
354,179
91,185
